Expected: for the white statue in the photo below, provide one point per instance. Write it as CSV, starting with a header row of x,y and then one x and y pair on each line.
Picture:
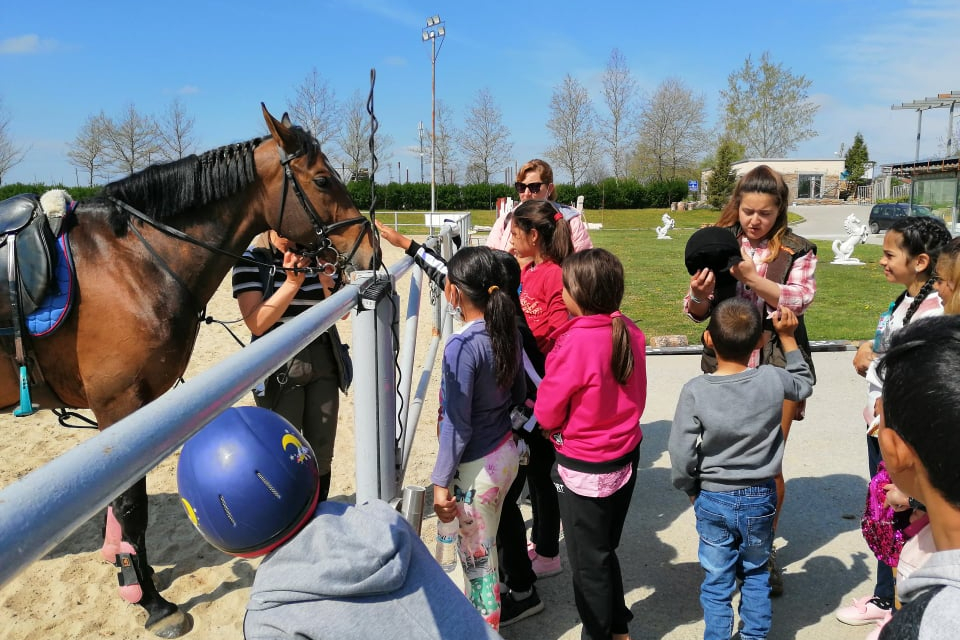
x,y
857,233
668,223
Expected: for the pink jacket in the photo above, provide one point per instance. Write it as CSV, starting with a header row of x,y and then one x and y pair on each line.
x,y
500,238
598,419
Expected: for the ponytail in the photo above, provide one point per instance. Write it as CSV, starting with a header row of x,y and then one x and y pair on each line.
x,y
561,245
500,317
622,361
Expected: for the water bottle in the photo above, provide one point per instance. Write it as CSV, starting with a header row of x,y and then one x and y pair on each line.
x,y
446,553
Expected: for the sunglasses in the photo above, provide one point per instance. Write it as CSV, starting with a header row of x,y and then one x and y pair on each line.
x,y
534,187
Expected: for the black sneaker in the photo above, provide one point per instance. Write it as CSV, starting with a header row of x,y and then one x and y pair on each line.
x,y
513,610
776,575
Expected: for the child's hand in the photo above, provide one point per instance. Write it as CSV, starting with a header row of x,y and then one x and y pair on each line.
x,y
864,356
444,505
896,499
393,236
784,322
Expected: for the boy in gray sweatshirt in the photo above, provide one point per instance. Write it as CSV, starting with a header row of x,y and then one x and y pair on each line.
x,y
726,448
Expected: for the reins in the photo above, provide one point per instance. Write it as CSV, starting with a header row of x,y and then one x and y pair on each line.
x,y
180,235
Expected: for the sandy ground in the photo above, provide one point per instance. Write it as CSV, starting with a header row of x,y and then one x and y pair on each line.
x,y
71,593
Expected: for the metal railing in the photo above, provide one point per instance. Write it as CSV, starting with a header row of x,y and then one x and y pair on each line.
x,y
44,507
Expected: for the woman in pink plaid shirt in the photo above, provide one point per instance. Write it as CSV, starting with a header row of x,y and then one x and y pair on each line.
x,y
777,269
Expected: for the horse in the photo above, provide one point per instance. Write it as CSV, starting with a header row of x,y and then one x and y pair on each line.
x,y
149,253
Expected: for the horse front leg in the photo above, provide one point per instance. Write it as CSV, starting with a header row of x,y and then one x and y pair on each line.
x,y
125,540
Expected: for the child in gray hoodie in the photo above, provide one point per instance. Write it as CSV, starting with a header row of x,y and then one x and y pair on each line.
x,y
920,443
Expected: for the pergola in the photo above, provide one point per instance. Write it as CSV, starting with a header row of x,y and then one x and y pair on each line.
x,y
940,101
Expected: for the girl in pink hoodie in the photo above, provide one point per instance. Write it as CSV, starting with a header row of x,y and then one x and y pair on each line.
x,y
589,405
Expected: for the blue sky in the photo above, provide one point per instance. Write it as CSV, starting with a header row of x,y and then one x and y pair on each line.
x,y
61,62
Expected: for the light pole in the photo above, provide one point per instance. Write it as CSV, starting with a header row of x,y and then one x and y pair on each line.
x,y
420,130
435,30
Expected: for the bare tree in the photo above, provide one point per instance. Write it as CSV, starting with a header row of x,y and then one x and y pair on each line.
x,y
88,149
315,108
10,154
354,137
446,136
672,132
767,108
619,95
573,124
484,140
175,132
131,140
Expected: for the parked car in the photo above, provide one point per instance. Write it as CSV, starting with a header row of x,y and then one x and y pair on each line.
x,y
882,216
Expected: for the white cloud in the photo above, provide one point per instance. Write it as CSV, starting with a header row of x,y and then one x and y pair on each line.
x,y
906,54
889,58
26,44
188,89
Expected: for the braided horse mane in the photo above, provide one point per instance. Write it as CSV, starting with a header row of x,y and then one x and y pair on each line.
x,y
163,191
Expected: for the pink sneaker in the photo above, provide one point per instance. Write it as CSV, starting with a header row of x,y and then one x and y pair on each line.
x,y
864,611
875,634
545,567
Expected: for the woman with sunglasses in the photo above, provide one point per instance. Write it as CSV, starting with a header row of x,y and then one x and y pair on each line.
x,y
535,182
274,288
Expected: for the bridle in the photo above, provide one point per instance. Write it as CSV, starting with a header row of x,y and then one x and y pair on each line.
x,y
322,230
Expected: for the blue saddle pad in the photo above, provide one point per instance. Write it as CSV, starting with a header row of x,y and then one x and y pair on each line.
x,y
56,306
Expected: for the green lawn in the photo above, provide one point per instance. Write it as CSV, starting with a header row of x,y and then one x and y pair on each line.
x,y
849,298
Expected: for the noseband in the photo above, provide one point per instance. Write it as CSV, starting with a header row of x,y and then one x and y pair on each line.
x,y
322,230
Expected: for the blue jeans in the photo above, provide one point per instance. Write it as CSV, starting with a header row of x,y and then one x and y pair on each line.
x,y
736,535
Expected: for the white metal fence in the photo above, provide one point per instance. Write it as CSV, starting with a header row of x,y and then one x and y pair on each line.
x,y
38,511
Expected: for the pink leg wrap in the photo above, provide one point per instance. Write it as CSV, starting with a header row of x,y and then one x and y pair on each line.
x,y
120,553
112,538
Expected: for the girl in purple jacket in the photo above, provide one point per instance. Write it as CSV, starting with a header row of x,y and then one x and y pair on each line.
x,y
589,404
477,457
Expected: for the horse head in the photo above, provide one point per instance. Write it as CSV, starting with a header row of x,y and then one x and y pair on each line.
x,y
321,216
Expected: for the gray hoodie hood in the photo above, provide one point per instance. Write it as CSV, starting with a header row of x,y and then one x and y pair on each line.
x,y
343,552
940,569
358,572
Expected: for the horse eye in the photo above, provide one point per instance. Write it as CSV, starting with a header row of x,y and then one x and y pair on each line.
x,y
322,181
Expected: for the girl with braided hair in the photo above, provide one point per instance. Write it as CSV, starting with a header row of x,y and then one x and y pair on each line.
x,y
911,248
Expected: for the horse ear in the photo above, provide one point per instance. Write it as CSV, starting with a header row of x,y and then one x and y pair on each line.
x,y
280,130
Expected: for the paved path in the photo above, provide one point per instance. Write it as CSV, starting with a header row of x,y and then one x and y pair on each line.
x,y
826,561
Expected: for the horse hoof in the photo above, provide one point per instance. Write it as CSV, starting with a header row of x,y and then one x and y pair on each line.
x,y
174,625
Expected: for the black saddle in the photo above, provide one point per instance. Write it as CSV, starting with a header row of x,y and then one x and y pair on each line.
x,y
27,257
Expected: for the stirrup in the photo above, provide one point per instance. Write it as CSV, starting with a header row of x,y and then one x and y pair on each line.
x,y
26,406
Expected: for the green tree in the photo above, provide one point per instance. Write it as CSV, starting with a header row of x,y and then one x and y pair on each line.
x,y
723,177
857,160
767,108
